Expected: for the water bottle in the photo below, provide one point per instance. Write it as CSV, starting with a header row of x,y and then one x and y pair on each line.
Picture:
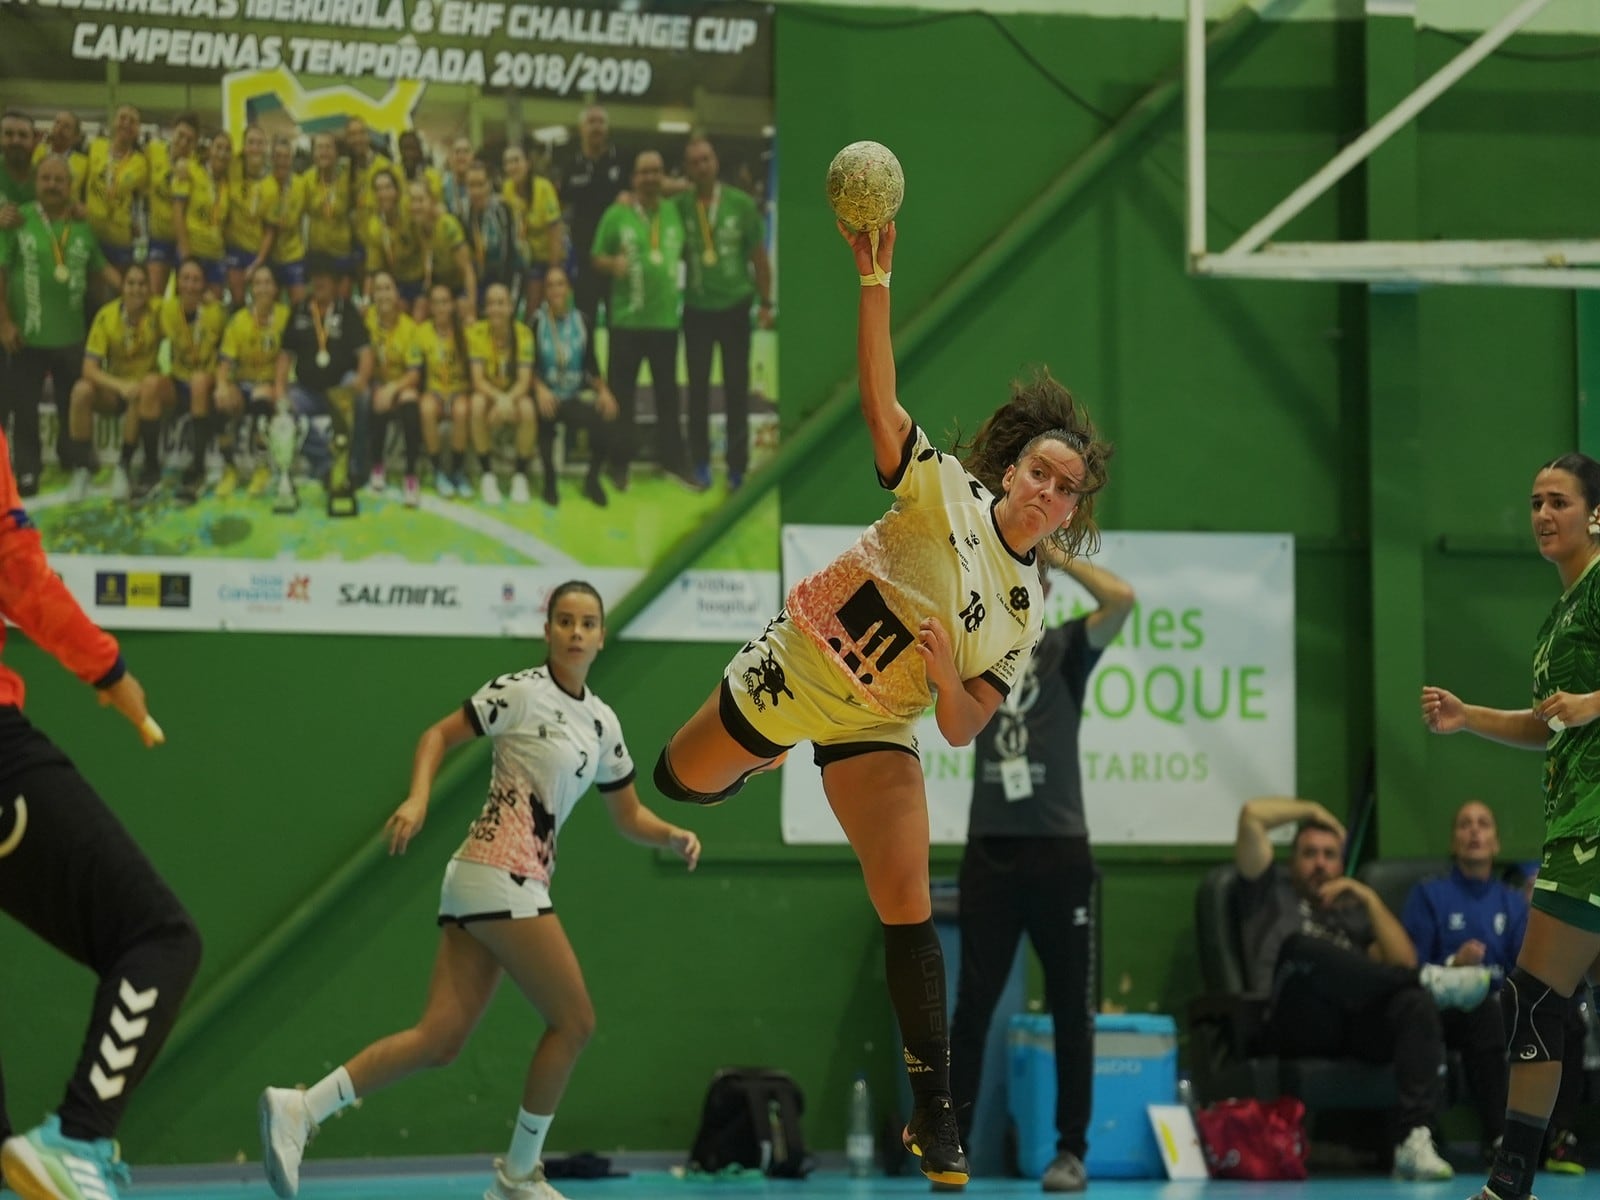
x,y
1186,1093
858,1139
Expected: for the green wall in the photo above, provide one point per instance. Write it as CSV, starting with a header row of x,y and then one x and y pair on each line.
x,y
1235,406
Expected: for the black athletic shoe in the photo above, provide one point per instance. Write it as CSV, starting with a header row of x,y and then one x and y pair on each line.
x,y
932,1136
28,484
142,488
1562,1155
189,487
595,491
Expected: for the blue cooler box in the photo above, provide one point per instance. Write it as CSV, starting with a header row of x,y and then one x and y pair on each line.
x,y
1135,1064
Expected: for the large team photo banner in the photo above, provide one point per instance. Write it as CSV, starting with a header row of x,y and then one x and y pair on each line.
x,y
552,226
1189,712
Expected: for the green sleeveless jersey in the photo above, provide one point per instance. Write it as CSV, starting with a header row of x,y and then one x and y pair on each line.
x,y
1566,658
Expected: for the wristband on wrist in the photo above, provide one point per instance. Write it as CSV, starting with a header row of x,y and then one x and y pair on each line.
x,y
880,279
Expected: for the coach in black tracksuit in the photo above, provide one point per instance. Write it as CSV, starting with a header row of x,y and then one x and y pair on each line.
x,y
1027,867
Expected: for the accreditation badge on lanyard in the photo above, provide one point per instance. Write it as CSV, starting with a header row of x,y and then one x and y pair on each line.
x,y
1016,774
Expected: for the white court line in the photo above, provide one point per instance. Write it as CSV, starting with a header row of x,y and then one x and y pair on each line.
x,y
507,535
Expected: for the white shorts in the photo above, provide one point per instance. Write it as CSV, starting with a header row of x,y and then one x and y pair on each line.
x,y
476,892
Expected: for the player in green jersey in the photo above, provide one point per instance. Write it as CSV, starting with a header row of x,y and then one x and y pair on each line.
x,y
1563,936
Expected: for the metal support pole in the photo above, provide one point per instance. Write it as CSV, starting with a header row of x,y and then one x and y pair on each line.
x,y
1341,163
1194,111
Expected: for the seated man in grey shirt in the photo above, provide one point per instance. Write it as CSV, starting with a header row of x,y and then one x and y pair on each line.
x,y
1341,972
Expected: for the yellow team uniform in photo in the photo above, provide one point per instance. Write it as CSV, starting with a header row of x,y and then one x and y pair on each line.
x,y
123,349
112,186
439,252
446,370
361,186
500,361
533,221
253,207
252,347
430,177
205,215
192,344
393,248
395,350
290,244
158,200
328,212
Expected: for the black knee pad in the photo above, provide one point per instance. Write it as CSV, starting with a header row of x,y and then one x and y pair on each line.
x,y
670,786
1535,1018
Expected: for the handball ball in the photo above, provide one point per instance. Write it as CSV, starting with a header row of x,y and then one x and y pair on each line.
x,y
865,185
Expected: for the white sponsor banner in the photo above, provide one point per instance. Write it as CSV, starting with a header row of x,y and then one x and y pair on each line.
x,y
1189,712
710,606
395,597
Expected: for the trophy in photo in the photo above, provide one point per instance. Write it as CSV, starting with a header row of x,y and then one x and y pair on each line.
x,y
342,500
341,488
284,438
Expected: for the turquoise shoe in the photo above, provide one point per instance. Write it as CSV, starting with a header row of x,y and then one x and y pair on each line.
x,y
45,1164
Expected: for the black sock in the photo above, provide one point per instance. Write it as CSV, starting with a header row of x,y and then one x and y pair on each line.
x,y
914,964
1521,1148
547,455
150,441
411,434
80,453
522,465
200,442
380,434
125,455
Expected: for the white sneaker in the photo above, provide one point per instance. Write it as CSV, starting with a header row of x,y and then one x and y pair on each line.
x,y
286,1127
78,489
120,484
1416,1158
1455,987
519,488
535,1187
489,488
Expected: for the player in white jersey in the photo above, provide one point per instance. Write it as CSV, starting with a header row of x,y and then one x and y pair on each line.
x,y
949,571
552,739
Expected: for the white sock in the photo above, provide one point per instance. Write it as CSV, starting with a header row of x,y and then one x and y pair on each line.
x,y
527,1143
329,1094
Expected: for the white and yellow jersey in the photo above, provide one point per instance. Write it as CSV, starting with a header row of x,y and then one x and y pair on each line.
x,y
936,553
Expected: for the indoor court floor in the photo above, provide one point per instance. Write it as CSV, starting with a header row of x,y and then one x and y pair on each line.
x,y
459,1180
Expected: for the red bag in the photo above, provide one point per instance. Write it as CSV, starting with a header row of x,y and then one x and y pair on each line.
x,y
1254,1139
